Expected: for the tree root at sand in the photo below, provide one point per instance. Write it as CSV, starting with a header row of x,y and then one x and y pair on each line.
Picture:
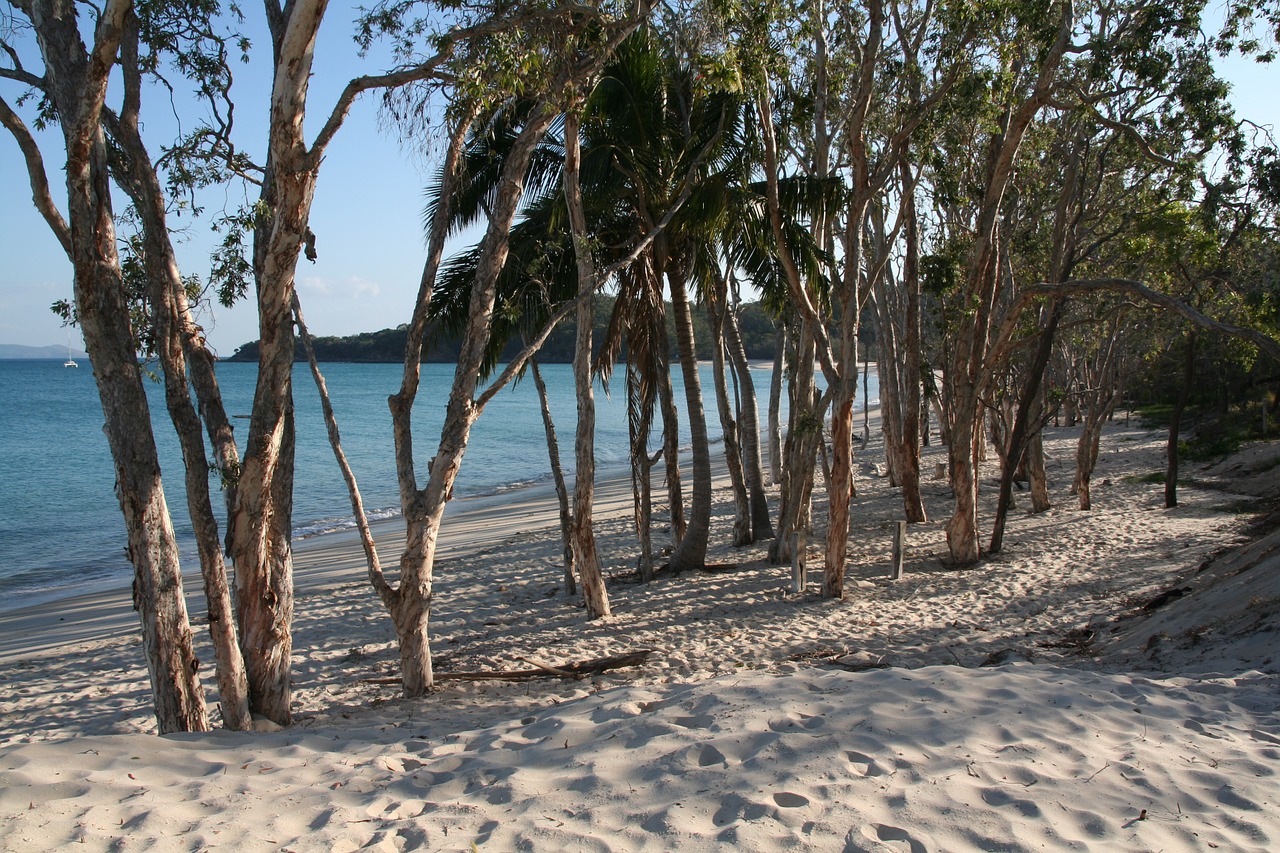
x,y
578,669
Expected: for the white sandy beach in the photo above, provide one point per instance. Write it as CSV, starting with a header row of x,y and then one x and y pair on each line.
x,y
762,721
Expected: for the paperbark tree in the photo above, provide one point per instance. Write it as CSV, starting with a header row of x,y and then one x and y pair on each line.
x,y
260,520
1102,392
1175,427
583,537
75,81
557,477
753,468
178,344
1062,258
899,360
805,414
912,403
970,367
877,119
717,315
423,508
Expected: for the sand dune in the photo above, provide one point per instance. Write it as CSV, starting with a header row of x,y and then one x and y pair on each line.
x,y
763,721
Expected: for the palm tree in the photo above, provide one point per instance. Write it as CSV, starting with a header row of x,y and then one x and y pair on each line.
x,y
653,132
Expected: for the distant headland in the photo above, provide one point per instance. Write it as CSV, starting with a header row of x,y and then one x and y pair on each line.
x,y
50,351
387,345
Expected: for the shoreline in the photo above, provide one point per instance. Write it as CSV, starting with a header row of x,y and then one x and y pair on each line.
x,y
319,561
334,557
64,549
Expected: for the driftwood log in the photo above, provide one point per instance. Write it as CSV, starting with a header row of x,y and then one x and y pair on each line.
x,y
578,669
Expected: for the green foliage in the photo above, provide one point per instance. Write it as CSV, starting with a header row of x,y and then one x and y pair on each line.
x,y
230,272
942,273
808,423
387,345
66,309
228,477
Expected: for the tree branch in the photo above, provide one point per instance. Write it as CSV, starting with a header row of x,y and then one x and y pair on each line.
x,y
17,72
376,576
412,74
40,193
107,37
1162,300
1133,133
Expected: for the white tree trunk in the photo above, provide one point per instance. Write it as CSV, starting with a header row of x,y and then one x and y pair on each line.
x,y
583,535
75,83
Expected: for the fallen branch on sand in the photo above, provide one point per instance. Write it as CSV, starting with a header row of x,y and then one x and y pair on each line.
x,y
579,669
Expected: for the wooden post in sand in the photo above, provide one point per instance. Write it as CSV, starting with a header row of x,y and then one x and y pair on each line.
x,y
799,561
899,543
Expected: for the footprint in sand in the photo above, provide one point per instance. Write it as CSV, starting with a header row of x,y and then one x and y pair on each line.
x,y
706,756
999,797
1197,726
788,800
791,722
863,765
890,838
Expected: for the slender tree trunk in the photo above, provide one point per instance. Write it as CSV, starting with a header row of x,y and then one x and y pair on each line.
x,y
843,394
775,408
557,475
76,83
761,523
804,432
1098,400
410,603
1036,471
970,370
233,687
1023,421
1086,458
912,501
891,403
924,415
671,457
583,539
1087,448
1175,423
639,420
670,427
152,547
691,553
170,318
261,521
962,453
840,492
716,312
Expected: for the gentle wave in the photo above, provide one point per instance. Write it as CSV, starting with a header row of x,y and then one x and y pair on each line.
x,y
335,524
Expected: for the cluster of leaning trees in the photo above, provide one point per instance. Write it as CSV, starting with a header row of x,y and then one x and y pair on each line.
x,y
992,189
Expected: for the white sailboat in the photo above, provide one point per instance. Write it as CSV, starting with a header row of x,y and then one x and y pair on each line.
x,y
70,362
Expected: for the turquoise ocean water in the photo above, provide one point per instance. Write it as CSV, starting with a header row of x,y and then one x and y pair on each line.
x,y
61,532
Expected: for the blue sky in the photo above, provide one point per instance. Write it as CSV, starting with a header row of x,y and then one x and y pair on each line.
x,y
367,211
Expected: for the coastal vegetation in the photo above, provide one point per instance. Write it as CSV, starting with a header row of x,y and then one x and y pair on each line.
x,y
759,339
1022,211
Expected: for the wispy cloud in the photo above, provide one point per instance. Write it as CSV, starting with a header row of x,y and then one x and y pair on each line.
x,y
353,287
